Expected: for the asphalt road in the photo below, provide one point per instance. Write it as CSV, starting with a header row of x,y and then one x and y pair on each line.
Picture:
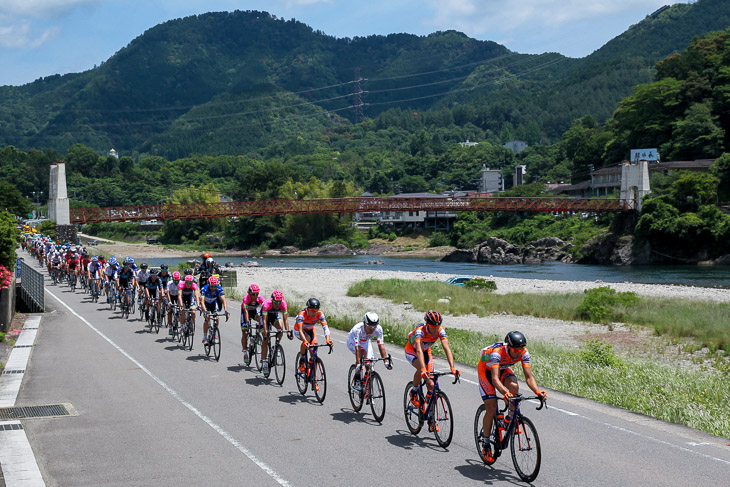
x,y
151,413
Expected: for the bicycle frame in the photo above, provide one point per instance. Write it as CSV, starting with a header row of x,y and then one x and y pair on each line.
x,y
434,394
503,442
311,363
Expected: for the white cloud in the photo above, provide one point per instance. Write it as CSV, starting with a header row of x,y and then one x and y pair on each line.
x,y
479,17
42,8
19,35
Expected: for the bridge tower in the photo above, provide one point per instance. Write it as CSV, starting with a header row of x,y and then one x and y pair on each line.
x,y
58,204
635,182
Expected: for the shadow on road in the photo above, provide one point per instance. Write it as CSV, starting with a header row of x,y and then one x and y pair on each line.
x,y
237,368
348,416
258,380
476,470
404,439
196,358
296,398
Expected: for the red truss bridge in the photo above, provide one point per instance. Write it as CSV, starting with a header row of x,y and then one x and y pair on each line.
x,y
432,204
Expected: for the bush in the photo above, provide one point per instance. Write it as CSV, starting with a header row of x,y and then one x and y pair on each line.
x,y
602,304
600,354
392,236
480,283
439,239
9,240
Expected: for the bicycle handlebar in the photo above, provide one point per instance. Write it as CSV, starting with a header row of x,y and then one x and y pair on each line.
x,y
319,345
519,398
374,360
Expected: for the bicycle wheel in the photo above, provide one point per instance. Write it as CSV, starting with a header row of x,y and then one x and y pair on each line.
x,y
355,395
251,350
525,449
479,436
175,326
414,415
207,347
443,420
141,309
301,375
113,298
155,317
257,351
279,363
191,334
377,396
320,380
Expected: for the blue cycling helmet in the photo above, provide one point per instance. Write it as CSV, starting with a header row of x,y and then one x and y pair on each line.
x,y
112,260
94,259
130,260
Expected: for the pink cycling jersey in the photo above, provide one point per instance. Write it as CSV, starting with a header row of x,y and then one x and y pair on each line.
x,y
269,306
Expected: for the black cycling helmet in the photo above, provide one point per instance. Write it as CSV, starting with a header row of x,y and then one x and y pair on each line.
x,y
144,265
153,273
371,319
163,267
433,318
515,339
188,272
313,303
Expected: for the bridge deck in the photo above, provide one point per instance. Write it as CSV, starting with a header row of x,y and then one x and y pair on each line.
x,y
344,205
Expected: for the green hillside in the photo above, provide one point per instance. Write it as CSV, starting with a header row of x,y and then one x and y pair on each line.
x,y
236,83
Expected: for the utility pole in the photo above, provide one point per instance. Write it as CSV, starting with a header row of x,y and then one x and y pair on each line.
x,y
357,104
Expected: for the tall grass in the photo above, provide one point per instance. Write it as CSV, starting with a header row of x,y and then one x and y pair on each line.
x,y
689,397
706,322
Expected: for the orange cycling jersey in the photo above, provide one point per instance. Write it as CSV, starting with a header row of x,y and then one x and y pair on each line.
x,y
496,355
305,322
421,333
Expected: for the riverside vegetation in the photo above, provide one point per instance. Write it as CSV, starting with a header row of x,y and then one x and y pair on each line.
x,y
694,396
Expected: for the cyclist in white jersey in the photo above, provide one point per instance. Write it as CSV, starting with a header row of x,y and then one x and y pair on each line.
x,y
172,290
143,274
359,343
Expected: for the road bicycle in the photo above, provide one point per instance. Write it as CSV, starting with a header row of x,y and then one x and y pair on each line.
x,y
154,316
213,342
174,327
142,305
369,389
520,434
112,296
125,304
253,344
276,358
434,410
312,372
94,290
72,280
187,330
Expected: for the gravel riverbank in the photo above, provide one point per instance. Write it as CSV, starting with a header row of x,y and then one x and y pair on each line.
x,y
330,286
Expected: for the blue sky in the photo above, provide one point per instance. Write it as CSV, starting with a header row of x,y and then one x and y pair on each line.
x,y
43,37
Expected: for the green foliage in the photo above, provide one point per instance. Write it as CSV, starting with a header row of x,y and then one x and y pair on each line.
x,y
439,239
12,200
9,240
604,305
721,170
598,353
192,231
479,283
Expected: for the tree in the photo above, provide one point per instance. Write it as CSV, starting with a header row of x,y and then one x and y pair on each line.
x,y
181,231
721,170
12,201
9,239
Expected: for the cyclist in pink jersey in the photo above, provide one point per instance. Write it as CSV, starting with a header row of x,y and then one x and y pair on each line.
x,y
273,312
249,312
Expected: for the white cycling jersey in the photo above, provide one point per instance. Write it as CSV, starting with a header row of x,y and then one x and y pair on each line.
x,y
142,276
358,337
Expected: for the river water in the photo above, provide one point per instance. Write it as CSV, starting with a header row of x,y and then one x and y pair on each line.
x,y
703,276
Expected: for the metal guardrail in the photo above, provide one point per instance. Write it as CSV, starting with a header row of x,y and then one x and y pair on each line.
x,y
32,288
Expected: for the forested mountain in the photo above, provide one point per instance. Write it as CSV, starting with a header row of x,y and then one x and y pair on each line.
x,y
249,83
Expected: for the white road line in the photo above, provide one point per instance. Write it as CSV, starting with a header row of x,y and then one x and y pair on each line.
x,y
259,463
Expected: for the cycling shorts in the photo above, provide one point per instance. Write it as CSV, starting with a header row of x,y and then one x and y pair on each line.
x,y
153,292
486,388
187,300
254,317
367,346
426,358
309,335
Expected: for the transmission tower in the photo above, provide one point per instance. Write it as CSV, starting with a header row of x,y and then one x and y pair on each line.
x,y
357,104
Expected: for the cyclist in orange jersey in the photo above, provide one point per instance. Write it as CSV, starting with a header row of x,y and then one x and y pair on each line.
x,y
495,375
304,327
418,351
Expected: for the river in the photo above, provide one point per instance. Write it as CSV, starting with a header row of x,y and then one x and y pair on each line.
x,y
702,276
